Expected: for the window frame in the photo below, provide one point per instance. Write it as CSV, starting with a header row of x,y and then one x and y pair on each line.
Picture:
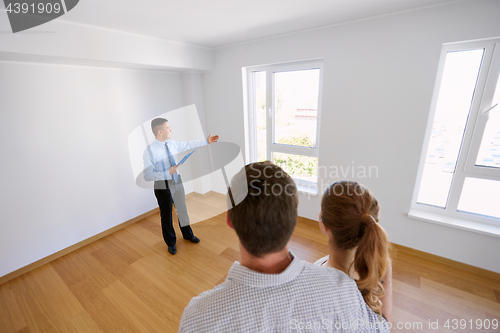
x,y
271,147
466,163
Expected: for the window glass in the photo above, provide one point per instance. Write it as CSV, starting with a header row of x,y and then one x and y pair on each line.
x,y
489,151
296,107
456,91
298,166
480,196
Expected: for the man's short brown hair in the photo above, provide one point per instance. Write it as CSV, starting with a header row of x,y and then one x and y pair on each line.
x,y
266,214
156,124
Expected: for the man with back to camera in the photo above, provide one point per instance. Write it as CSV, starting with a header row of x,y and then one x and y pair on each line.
x,y
160,167
270,289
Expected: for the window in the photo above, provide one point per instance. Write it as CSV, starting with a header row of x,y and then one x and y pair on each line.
x,y
458,182
283,118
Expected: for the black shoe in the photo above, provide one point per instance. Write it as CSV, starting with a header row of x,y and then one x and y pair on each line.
x,y
172,249
193,239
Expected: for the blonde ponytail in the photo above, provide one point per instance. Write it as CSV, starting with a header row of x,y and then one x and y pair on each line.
x,y
371,261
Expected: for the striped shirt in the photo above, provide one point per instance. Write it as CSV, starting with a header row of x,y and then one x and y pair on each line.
x,y
302,298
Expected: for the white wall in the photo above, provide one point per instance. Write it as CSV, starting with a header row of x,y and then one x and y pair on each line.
x,y
192,84
378,83
65,171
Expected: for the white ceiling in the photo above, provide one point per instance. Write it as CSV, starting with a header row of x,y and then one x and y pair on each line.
x,y
215,23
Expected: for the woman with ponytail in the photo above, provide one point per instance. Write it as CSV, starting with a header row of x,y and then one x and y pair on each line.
x,y
358,245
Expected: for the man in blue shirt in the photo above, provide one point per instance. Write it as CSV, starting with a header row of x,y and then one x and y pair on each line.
x,y
160,166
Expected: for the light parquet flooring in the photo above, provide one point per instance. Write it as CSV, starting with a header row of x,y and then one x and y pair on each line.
x,y
128,282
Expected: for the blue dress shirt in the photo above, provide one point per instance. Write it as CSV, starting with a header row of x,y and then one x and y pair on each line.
x,y
156,161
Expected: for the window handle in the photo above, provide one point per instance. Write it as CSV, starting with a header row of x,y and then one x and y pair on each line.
x,y
487,111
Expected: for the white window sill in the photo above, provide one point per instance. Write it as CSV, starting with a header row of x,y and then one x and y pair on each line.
x,y
309,189
478,227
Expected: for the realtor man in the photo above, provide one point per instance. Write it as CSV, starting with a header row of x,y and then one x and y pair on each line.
x,y
270,289
160,166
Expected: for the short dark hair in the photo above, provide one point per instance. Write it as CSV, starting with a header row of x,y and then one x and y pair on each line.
x,y
265,213
156,124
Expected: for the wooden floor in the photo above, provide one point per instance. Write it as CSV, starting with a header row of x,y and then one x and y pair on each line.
x,y
128,282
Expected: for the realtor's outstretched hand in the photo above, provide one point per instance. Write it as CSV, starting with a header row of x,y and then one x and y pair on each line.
x,y
212,139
